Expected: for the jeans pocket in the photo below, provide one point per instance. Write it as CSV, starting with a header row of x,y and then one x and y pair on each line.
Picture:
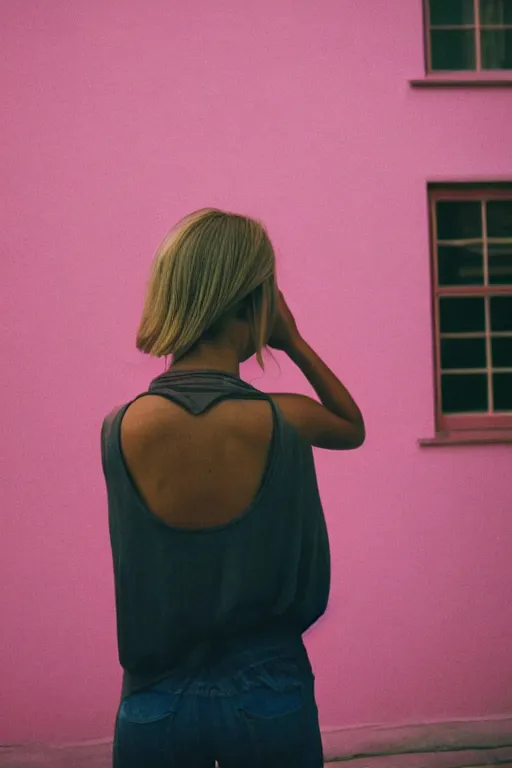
x,y
265,704
148,707
277,692
144,728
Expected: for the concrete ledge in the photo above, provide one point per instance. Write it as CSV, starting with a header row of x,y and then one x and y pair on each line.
x,y
371,741
462,759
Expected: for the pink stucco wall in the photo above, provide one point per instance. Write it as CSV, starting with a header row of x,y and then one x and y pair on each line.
x,y
119,118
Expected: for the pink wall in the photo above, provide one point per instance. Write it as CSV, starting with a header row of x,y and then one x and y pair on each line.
x,y
122,117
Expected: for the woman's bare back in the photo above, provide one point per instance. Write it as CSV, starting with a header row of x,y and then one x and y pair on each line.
x,y
197,470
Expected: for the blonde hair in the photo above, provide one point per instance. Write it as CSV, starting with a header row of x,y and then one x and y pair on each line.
x,y
209,263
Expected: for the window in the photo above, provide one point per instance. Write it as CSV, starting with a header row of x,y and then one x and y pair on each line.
x,y
468,35
472,279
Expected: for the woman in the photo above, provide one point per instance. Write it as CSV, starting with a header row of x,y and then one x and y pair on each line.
x,y
220,551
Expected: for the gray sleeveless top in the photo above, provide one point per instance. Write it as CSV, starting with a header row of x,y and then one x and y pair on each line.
x,y
177,590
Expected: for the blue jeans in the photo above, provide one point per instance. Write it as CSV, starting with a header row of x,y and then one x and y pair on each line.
x,y
245,706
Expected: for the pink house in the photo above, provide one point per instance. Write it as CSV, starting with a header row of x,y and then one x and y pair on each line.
x,y
375,141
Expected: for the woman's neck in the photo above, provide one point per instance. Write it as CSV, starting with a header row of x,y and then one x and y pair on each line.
x,y
207,358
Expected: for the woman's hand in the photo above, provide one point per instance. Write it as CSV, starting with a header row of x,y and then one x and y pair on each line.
x,y
285,333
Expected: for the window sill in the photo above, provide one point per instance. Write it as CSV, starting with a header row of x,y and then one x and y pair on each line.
x,y
476,437
484,79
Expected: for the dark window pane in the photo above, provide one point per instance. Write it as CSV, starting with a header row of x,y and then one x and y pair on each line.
x,y
502,391
464,392
500,263
501,313
461,314
501,352
496,48
458,220
452,49
463,353
495,12
451,12
499,218
460,264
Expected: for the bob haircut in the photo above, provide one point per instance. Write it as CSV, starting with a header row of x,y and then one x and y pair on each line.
x,y
211,267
